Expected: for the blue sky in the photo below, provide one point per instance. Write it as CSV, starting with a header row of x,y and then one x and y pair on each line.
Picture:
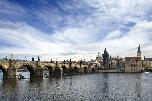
x,y
75,29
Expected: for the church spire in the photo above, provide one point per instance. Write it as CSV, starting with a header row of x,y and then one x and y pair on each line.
x,y
139,48
139,51
105,51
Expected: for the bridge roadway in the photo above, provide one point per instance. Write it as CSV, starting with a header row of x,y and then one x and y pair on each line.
x,y
10,67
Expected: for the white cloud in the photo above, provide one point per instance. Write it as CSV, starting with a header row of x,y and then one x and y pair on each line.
x,y
114,34
12,9
141,33
83,35
27,37
36,45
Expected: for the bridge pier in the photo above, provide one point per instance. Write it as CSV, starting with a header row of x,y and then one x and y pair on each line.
x,y
11,70
11,73
57,72
37,73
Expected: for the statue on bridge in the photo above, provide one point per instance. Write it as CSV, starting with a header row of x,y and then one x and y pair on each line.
x,y
38,58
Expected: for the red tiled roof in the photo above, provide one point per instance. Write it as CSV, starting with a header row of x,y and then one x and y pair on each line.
x,y
117,59
130,58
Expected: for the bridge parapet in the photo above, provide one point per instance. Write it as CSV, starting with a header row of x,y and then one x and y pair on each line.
x,y
19,64
42,64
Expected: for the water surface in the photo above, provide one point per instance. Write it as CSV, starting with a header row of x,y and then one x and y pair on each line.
x,y
90,87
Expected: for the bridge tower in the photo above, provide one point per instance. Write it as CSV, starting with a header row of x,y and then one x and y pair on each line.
x,y
106,59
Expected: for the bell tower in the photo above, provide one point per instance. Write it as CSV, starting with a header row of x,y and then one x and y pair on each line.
x,y
139,51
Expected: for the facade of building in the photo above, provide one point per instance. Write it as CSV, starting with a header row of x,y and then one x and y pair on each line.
x,y
127,64
117,63
134,64
147,63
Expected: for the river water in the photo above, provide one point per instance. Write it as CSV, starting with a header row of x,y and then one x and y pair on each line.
x,y
89,87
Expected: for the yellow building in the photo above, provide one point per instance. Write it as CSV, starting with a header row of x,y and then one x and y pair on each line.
x,y
134,64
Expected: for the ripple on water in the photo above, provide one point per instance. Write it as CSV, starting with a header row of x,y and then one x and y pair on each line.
x,y
91,87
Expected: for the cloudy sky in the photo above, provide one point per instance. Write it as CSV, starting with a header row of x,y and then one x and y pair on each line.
x,y
76,29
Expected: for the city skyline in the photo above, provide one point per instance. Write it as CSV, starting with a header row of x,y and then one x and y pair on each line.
x,y
75,29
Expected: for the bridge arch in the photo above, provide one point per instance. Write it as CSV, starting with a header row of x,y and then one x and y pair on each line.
x,y
57,71
49,68
85,69
26,67
75,69
93,69
4,71
65,70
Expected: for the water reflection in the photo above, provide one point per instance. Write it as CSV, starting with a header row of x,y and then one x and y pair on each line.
x,y
138,89
92,87
105,88
47,71
9,90
24,72
1,75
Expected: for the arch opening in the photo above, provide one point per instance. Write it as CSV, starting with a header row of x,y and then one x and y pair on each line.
x,y
25,71
3,72
57,72
47,71
65,70
73,71
93,70
76,70
85,70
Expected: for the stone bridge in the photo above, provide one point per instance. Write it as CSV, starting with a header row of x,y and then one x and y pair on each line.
x,y
10,67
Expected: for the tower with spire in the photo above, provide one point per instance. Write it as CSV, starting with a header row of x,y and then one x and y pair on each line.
x,y
106,59
98,58
139,51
